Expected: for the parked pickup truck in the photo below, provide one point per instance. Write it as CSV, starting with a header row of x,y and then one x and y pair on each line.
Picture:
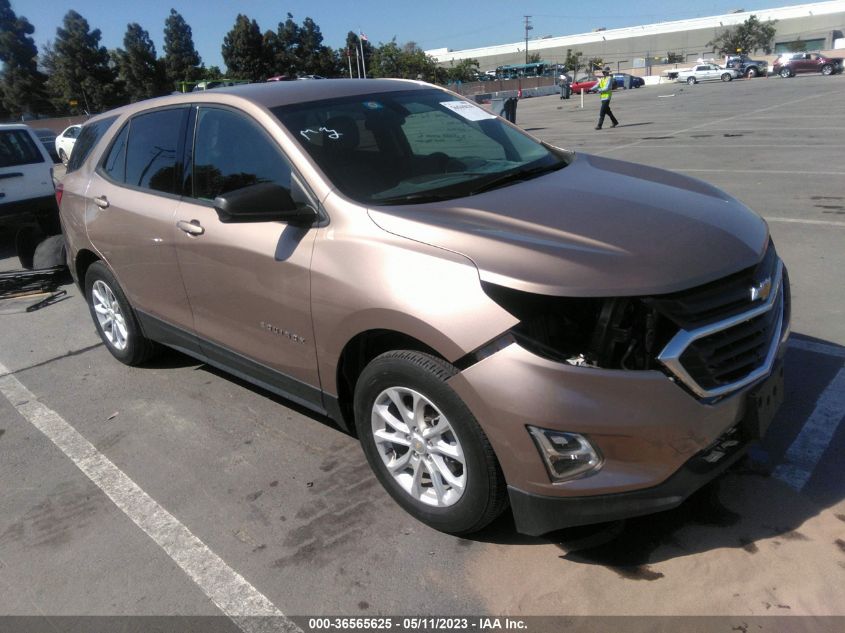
x,y
746,66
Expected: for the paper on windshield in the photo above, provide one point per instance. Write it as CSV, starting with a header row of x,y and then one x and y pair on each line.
x,y
469,111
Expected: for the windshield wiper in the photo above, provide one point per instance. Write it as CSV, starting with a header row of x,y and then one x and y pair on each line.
x,y
516,176
417,198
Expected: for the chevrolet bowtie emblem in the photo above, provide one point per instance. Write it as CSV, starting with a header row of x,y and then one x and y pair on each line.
x,y
762,290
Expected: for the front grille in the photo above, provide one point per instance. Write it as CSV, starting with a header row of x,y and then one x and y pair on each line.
x,y
717,300
726,338
727,356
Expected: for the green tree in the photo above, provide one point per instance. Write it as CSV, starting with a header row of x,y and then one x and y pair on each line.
x,y
79,69
573,60
22,87
243,50
748,37
595,63
464,70
286,55
533,58
181,61
408,61
312,52
211,73
137,65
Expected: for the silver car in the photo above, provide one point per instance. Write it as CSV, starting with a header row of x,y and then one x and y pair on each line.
x,y
707,72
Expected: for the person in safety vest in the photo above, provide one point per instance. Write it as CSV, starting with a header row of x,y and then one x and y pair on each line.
x,y
605,88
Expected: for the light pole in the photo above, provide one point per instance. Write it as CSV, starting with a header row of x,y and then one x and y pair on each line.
x,y
528,27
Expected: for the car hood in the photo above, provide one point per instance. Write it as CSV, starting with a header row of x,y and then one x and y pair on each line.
x,y
598,227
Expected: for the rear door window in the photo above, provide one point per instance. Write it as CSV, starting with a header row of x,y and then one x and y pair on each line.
x,y
18,148
152,149
89,136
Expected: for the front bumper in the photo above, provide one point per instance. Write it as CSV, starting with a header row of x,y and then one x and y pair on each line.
x,y
538,514
652,435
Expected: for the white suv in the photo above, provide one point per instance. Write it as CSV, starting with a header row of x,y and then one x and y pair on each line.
x,y
26,179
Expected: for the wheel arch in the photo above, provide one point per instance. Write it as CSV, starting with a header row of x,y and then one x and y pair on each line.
x,y
358,352
84,259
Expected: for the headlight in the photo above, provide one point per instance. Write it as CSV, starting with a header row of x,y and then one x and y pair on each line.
x,y
566,455
611,333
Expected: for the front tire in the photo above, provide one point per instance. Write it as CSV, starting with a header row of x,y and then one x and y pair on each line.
x,y
63,157
114,318
785,73
727,77
424,444
691,81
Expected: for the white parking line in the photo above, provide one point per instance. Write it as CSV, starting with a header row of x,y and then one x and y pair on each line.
x,y
807,449
776,172
248,608
800,221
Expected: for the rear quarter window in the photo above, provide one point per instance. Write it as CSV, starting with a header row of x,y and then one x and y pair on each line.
x,y
18,148
89,136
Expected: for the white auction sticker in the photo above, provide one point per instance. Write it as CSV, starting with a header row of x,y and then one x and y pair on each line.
x,y
469,111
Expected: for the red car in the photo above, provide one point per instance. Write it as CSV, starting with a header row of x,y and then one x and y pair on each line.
x,y
585,84
790,64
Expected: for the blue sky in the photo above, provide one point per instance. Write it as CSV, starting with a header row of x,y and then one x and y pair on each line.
x,y
432,24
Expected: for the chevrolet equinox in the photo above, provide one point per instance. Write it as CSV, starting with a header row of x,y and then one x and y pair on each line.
x,y
499,321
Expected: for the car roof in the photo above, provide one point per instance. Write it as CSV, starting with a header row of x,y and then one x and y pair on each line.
x,y
14,126
276,93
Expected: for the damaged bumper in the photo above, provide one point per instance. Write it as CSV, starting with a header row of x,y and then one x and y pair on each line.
x,y
658,443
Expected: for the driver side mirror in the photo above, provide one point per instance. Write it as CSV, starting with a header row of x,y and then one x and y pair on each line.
x,y
264,202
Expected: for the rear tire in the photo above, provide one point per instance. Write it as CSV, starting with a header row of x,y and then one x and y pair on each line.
x,y
827,69
751,73
455,484
63,157
114,318
50,253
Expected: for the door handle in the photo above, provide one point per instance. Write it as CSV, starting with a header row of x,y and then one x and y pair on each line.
x,y
191,228
102,202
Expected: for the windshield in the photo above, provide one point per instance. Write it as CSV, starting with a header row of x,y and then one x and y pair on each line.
x,y
413,146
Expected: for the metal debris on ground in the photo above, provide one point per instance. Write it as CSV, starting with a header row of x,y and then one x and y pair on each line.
x,y
21,283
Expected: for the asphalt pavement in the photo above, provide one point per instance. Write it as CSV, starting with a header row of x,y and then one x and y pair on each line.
x,y
174,489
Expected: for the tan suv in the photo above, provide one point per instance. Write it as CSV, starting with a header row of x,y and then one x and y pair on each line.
x,y
500,321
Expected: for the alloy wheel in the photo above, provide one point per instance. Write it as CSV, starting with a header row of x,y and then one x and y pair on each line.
x,y
109,315
419,447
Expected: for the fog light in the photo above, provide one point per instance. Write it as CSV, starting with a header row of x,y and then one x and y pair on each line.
x,y
566,455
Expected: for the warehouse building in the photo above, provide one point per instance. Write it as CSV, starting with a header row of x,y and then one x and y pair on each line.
x,y
818,25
